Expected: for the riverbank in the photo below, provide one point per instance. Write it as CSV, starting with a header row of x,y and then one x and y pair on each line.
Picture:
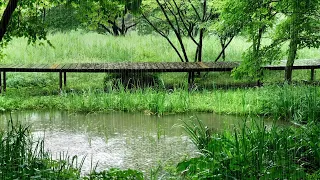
x,y
299,103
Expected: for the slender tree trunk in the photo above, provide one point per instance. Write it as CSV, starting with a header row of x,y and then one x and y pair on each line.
x,y
293,46
123,25
223,49
4,23
200,45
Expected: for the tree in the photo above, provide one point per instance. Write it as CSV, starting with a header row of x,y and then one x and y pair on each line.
x,y
227,27
21,19
300,27
255,18
112,16
189,18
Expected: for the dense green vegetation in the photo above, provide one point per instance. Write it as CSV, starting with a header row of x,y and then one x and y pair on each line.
x,y
215,92
253,152
254,32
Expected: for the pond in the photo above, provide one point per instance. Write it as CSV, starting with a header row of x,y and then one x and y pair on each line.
x,y
122,140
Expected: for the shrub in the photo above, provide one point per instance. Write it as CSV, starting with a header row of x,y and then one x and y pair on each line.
x,y
130,80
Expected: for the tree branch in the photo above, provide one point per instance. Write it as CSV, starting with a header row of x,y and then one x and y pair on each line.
x,y
163,35
178,35
223,49
189,29
105,28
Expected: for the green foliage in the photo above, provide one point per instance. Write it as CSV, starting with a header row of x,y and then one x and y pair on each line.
x,y
114,17
200,135
26,21
255,151
292,103
299,28
61,18
254,18
116,174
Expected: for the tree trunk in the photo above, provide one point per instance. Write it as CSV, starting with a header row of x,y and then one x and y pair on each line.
x,y
12,5
200,45
293,46
223,49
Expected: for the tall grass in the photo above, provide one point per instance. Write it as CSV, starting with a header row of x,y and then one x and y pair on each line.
x,y
292,103
81,46
24,158
254,152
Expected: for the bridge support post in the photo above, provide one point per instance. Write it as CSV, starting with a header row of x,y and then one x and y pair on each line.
x,y
65,79
4,82
60,81
190,80
62,75
0,83
312,74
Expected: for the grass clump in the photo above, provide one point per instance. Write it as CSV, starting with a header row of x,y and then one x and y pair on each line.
x,y
253,152
115,174
297,103
23,158
116,81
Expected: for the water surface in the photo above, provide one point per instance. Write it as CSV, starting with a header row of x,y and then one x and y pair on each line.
x,y
122,140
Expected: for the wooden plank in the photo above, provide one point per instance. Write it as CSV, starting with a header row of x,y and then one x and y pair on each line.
x,y
66,66
60,66
73,67
54,66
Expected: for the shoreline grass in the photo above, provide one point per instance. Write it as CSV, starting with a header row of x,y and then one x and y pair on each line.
x,y
298,103
253,152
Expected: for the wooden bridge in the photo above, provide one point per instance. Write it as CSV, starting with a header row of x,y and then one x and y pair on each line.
x,y
140,67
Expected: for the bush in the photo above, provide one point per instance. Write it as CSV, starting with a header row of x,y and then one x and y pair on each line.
x,y
117,81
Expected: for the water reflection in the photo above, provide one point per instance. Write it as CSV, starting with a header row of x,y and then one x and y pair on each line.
x,y
123,140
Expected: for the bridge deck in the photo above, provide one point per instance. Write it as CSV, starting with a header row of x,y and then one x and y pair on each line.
x,y
123,66
142,67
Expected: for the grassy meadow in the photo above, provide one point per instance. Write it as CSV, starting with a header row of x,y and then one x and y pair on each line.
x,y
214,92
248,152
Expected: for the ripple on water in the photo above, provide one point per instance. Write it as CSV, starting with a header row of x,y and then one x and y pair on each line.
x,y
119,151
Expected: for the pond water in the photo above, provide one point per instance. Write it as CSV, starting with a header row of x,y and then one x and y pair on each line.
x,y
122,140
